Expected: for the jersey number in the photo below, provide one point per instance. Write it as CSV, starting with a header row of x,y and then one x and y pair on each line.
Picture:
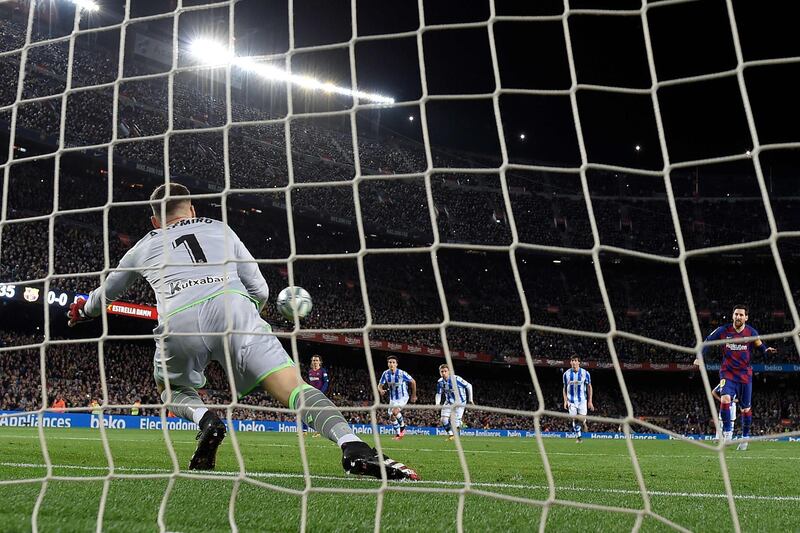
x,y
195,251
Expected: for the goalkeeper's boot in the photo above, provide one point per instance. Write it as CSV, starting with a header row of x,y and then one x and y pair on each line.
x,y
402,431
742,446
212,432
359,458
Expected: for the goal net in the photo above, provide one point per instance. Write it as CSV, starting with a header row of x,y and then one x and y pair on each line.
x,y
514,221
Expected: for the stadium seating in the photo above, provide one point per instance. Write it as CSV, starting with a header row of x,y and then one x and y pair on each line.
x,y
548,209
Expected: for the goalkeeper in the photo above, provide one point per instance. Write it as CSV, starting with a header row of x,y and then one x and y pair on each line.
x,y
200,295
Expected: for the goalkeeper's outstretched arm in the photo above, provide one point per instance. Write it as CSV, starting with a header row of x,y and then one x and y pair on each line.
x,y
117,282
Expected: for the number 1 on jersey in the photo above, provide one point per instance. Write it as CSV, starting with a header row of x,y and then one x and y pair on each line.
x,y
193,247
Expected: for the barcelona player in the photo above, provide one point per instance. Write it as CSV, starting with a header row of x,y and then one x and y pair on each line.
x,y
736,373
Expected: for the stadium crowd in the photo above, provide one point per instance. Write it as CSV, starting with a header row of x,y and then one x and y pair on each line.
x,y
560,289
548,210
72,373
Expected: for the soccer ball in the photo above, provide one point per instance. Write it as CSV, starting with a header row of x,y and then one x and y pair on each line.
x,y
294,300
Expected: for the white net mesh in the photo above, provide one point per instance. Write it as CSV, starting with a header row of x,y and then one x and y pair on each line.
x,y
232,186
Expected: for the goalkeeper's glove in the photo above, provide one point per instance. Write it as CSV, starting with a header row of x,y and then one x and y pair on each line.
x,y
77,314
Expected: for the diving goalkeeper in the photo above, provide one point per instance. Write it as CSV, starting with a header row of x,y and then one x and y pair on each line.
x,y
199,296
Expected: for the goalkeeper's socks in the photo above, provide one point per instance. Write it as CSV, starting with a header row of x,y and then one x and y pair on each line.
x,y
185,403
324,417
725,413
747,421
198,414
344,439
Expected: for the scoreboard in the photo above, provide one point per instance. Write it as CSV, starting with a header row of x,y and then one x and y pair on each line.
x,y
35,295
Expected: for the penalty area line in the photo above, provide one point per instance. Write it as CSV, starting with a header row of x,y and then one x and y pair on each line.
x,y
281,475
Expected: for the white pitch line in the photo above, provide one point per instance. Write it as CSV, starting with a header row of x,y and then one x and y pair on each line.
x,y
710,453
280,475
111,440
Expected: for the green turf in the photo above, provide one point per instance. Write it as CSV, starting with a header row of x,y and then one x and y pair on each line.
x,y
684,484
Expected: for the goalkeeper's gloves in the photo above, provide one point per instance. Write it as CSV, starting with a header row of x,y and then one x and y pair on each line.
x,y
77,314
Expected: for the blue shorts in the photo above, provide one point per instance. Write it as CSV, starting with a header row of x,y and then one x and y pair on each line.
x,y
742,391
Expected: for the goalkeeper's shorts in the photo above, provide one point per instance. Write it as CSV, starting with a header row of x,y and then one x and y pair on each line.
x,y
254,354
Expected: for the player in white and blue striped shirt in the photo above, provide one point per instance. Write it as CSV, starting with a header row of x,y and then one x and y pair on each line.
x,y
452,398
577,393
734,402
396,382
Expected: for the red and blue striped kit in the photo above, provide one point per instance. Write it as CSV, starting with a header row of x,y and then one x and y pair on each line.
x,y
735,352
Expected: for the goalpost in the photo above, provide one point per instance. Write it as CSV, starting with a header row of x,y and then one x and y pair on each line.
x,y
362,101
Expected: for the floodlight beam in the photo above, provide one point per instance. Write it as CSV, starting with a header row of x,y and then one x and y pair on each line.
x,y
212,53
86,5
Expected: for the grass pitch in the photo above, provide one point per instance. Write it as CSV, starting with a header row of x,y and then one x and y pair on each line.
x,y
684,484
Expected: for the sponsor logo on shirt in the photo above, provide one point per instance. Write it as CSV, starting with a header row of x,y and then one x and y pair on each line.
x,y
736,347
177,286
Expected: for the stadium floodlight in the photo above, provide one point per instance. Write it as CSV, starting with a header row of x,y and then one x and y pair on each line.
x,y
87,5
637,147
213,53
411,118
521,136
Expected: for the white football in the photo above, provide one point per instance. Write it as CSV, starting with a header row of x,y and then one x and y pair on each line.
x,y
294,301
